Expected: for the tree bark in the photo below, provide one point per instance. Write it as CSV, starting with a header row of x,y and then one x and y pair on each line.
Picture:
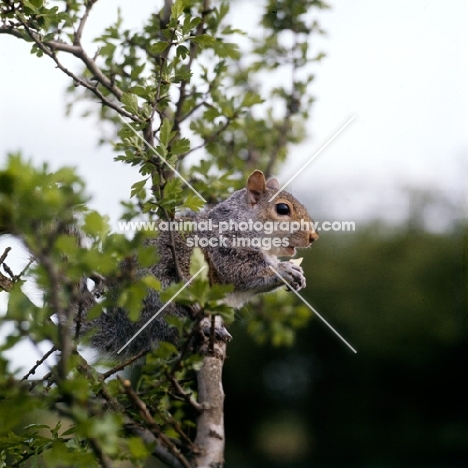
x,y
210,438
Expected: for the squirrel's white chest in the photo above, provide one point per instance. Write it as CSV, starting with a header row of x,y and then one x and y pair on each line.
x,y
237,299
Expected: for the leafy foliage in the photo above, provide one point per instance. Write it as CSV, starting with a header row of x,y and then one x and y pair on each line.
x,y
179,84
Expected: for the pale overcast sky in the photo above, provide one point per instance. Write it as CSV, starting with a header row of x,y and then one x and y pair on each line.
x,y
400,66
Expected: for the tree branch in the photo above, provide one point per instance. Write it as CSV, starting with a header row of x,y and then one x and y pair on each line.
x,y
39,362
11,31
148,438
79,31
49,48
210,438
212,137
97,73
131,426
153,426
193,54
185,396
121,366
97,448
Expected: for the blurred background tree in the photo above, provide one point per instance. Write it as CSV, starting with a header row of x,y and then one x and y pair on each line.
x,y
399,293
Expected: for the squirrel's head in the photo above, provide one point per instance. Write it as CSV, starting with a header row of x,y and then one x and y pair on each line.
x,y
283,217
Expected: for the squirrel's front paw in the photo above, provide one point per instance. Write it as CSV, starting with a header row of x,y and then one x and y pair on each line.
x,y
292,274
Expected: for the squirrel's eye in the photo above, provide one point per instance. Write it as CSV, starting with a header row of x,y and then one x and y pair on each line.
x,y
282,209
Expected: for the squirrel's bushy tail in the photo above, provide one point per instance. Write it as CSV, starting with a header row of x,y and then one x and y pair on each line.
x,y
113,329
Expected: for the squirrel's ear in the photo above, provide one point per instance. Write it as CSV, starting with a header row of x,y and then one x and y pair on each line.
x,y
273,184
256,186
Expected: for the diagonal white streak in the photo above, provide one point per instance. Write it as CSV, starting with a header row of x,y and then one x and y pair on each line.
x,y
162,159
312,158
312,309
161,309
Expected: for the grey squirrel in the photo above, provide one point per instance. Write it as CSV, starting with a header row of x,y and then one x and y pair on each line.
x,y
236,257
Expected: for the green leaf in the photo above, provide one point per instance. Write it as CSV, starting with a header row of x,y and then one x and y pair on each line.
x,y
204,40
178,8
223,11
31,5
191,23
211,113
95,224
141,91
107,50
138,449
138,187
181,146
227,49
251,98
158,47
132,298
60,454
197,261
7,183
70,431
152,282
172,194
166,134
193,202
13,409
130,102
182,52
183,74
66,245
20,306
168,348
137,70
225,312
146,110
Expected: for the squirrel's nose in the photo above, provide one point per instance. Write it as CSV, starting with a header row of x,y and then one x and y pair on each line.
x,y
313,237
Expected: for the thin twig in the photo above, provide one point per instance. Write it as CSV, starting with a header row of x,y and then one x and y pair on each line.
x,y
25,269
79,31
173,249
97,449
49,48
177,427
185,396
97,73
212,137
198,105
8,271
5,283
39,363
137,429
4,255
121,366
139,404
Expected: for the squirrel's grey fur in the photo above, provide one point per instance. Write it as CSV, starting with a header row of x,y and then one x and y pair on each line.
x,y
246,268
